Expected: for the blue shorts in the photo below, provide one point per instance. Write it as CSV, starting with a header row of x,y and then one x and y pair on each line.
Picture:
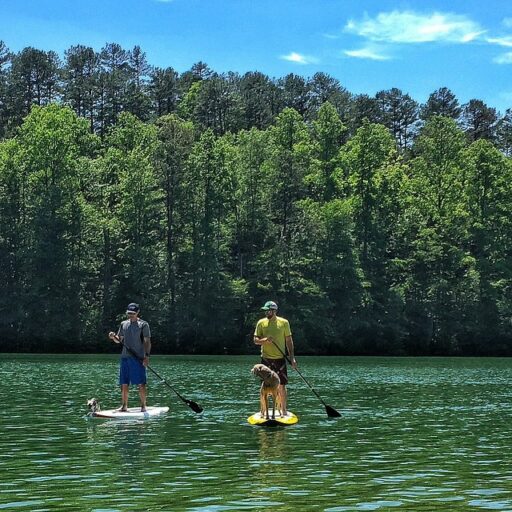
x,y
131,371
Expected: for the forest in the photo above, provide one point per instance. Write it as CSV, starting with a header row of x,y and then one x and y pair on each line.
x,y
380,225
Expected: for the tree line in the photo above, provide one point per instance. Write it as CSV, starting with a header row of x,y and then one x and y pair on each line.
x,y
379,225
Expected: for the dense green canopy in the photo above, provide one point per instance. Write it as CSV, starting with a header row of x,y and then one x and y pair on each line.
x,y
379,226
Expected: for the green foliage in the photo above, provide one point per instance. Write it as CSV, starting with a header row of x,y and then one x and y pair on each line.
x,y
441,103
201,195
327,132
399,113
43,174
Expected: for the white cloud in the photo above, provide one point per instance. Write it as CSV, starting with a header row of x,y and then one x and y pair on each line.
x,y
504,58
331,36
299,58
367,53
507,22
501,41
411,27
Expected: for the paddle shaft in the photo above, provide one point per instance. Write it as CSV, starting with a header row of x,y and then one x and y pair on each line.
x,y
195,407
330,410
300,374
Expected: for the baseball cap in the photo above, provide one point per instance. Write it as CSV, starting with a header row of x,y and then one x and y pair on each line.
x,y
132,308
269,305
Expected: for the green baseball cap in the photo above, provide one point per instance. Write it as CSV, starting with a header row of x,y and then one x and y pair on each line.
x,y
269,305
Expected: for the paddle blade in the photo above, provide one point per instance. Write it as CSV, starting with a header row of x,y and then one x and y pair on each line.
x,y
331,412
195,407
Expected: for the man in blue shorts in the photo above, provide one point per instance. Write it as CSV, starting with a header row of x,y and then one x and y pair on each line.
x,y
135,335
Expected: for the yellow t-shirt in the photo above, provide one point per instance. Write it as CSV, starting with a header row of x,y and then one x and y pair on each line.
x,y
278,328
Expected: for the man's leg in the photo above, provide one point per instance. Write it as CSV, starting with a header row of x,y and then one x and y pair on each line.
x,y
142,394
283,395
124,397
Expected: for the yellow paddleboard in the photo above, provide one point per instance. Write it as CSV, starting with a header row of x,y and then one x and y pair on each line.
x,y
258,419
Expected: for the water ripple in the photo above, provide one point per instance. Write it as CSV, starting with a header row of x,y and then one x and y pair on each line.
x,y
415,434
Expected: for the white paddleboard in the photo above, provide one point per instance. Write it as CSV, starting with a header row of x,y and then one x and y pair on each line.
x,y
133,413
258,419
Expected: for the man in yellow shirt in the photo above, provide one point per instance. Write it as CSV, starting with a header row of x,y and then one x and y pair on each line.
x,y
274,336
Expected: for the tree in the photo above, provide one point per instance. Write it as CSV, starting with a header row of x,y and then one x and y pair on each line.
x,y
250,212
132,209
328,132
33,79
438,270
504,133
209,184
373,176
478,120
441,102
164,91
5,58
296,94
113,81
13,238
362,107
218,104
198,72
399,113
489,193
201,71
283,175
363,158
137,96
176,139
80,81
328,277
260,100
43,199
325,88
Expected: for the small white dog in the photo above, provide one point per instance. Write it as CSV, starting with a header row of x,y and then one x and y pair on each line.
x,y
93,405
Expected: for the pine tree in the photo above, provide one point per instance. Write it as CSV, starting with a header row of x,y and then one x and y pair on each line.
x,y
113,82
80,81
441,103
399,113
33,80
478,120
164,91
137,93
5,59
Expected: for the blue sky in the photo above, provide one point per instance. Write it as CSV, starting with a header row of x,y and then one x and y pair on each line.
x,y
368,45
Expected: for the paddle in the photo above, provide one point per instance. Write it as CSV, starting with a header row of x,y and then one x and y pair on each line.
x,y
331,412
193,405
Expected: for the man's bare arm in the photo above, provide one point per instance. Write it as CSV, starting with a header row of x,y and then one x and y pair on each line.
x,y
260,340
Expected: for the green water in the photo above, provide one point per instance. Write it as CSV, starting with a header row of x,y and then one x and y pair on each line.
x,y
416,434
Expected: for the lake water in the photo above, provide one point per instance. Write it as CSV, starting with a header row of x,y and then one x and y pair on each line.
x,y
415,434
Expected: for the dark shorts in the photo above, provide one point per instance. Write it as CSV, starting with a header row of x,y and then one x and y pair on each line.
x,y
131,371
279,366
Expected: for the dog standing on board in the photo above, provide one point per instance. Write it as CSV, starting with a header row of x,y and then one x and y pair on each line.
x,y
269,387
93,405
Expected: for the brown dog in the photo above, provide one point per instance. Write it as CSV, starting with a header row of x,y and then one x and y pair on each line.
x,y
269,386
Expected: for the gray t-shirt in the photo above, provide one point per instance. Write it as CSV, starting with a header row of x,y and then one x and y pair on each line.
x,y
133,333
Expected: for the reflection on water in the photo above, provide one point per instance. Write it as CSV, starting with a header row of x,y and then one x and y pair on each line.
x,y
415,434
270,472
